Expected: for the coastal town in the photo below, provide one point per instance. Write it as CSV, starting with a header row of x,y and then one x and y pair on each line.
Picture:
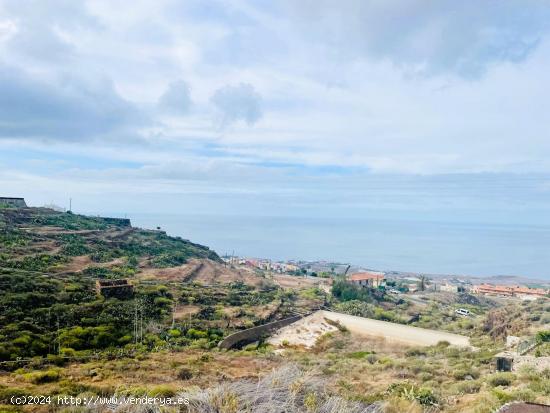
x,y
395,282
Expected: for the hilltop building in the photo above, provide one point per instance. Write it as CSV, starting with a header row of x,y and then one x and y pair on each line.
x,y
13,202
371,279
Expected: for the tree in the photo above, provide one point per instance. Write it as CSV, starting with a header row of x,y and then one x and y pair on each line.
x,y
423,283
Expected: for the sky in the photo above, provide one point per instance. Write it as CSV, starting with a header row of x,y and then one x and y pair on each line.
x,y
412,109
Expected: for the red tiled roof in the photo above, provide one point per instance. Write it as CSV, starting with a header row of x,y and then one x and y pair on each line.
x,y
503,289
362,276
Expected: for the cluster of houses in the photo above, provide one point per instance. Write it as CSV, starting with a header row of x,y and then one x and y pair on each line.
x,y
375,279
510,291
263,264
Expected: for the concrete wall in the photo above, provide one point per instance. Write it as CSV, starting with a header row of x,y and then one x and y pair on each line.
x,y
255,333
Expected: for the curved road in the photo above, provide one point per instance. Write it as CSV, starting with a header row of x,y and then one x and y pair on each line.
x,y
396,332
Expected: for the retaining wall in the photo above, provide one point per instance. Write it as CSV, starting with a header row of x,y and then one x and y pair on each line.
x,y
255,333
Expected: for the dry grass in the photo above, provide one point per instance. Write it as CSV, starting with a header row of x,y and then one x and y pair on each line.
x,y
288,389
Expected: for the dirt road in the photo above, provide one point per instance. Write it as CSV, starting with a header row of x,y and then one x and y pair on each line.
x,y
396,332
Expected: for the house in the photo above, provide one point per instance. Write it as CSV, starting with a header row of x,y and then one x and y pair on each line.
x,y
371,279
449,288
509,291
13,202
526,292
291,267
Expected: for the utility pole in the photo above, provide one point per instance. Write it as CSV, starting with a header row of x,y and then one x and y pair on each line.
x,y
71,204
141,324
135,322
174,312
58,341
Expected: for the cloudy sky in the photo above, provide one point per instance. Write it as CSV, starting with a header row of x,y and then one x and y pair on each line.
x,y
276,107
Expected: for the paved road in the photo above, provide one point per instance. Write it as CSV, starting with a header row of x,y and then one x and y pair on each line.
x,y
396,332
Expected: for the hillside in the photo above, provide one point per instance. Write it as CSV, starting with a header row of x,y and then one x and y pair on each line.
x,y
50,264
156,332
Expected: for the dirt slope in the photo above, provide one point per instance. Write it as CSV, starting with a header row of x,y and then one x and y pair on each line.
x,y
204,271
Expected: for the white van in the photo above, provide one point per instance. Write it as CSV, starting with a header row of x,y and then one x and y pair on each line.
x,y
462,311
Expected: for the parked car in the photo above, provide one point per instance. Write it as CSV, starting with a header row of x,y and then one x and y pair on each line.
x,y
394,291
462,311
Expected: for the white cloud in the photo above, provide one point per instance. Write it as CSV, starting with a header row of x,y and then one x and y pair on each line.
x,y
238,103
434,38
323,86
177,98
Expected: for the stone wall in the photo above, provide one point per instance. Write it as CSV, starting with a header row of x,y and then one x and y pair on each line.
x,y
255,333
121,222
13,202
538,363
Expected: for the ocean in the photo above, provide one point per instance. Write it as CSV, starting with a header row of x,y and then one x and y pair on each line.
x,y
376,242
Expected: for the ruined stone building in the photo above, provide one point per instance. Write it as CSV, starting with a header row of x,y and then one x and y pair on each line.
x,y
13,202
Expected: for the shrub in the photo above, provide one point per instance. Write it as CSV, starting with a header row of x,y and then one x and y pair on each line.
x,y
196,334
359,354
337,324
205,357
410,391
357,308
74,249
162,391
56,359
415,351
543,336
426,397
6,393
463,374
371,358
501,379
346,291
185,374
40,377
468,387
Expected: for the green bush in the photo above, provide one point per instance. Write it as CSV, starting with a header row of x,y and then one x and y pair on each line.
x,y
346,291
543,336
185,374
162,390
501,379
74,249
463,374
41,377
416,351
468,387
196,334
410,391
359,354
6,393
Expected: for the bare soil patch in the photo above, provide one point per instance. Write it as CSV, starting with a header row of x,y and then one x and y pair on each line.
x,y
304,332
